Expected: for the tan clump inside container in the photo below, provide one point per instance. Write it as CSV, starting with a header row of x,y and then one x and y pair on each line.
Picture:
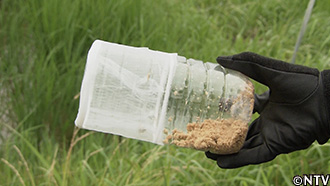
x,y
223,136
220,136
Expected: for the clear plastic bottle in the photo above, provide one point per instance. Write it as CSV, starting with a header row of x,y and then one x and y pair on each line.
x,y
206,98
162,98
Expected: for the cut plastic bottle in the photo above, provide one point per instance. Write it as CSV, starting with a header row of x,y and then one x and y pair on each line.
x,y
162,98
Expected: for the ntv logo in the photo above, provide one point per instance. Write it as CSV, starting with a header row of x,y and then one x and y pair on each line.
x,y
311,179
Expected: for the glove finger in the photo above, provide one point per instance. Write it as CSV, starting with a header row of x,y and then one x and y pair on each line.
x,y
251,65
284,80
212,156
254,129
253,141
253,137
255,155
260,101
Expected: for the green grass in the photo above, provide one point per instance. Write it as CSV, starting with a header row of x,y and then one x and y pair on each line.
x,y
43,49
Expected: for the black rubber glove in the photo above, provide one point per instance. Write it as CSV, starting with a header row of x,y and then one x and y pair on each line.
x,y
293,113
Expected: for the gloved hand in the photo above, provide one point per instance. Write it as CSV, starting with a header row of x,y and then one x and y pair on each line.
x,y
293,113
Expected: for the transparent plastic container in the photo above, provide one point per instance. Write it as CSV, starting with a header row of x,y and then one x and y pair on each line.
x,y
209,107
162,98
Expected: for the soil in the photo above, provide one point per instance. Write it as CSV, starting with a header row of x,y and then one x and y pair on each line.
x,y
223,136
220,136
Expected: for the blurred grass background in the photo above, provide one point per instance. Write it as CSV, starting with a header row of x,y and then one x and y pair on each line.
x,y
43,49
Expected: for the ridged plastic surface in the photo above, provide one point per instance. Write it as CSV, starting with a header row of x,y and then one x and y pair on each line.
x,y
137,93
